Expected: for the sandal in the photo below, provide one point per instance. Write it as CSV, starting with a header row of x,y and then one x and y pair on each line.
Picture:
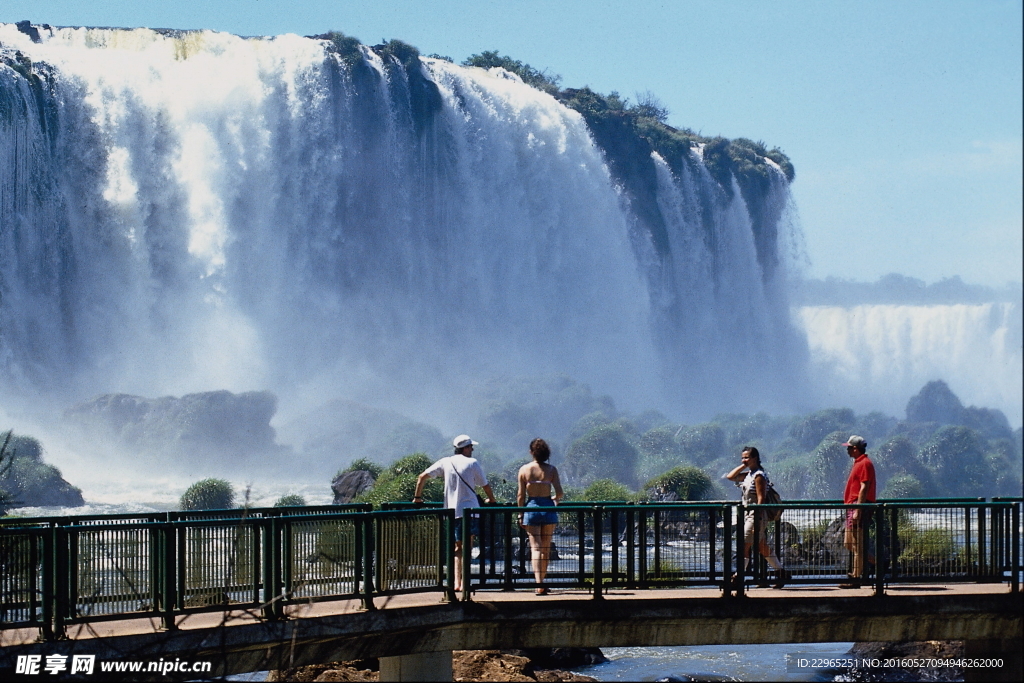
x,y
542,591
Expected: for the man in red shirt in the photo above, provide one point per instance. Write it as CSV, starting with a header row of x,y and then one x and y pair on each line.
x,y
860,489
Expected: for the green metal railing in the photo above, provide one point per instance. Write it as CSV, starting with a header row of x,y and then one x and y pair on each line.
x,y
66,570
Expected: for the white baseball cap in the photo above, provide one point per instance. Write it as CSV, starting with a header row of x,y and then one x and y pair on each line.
x,y
463,440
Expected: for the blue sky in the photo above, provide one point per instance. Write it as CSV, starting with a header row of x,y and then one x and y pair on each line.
x,y
904,120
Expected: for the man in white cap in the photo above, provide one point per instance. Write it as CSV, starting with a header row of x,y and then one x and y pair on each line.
x,y
462,475
860,489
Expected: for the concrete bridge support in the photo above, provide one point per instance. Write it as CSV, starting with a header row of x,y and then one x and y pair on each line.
x,y
425,666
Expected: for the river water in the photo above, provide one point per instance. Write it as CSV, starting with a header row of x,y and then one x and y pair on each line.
x,y
712,663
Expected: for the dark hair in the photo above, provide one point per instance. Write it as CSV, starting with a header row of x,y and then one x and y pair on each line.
x,y
539,450
753,451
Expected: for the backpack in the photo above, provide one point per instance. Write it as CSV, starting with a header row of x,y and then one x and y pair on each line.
x,y
772,497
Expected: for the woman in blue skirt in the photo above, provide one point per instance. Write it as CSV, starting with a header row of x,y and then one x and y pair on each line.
x,y
539,487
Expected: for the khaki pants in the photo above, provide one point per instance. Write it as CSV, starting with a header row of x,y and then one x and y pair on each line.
x,y
856,540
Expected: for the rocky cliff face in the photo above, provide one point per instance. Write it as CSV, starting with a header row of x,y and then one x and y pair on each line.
x,y
210,428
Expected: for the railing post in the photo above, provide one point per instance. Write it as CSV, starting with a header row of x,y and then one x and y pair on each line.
x,y
598,559
180,564
1015,541
967,540
507,518
283,567
448,525
581,579
982,546
657,543
879,518
741,565
641,547
467,556
49,571
893,550
61,579
255,553
369,524
168,553
726,551
757,571
613,535
269,598
712,532
631,547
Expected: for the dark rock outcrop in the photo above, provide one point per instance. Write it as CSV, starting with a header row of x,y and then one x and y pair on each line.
x,y
544,664
348,485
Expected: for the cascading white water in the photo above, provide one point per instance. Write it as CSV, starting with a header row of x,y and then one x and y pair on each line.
x,y
202,211
871,357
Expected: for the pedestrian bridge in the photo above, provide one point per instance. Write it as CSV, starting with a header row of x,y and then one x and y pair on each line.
x,y
259,589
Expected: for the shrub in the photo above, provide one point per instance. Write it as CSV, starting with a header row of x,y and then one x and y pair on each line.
x,y
658,452
208,494
809,431
958,453
607,489
587,423
346,47
703,443
290,500
927,547
875,426
903,486
604,450
404,53
829,467
686,483
541,80
649,106
789,476
398,482
897,457
504,488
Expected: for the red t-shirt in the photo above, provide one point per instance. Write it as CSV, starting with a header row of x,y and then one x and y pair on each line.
x,y
863,470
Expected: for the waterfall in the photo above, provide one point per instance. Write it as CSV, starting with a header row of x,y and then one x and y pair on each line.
x,y
189,211
874,357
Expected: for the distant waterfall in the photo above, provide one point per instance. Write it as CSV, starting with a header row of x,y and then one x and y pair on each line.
x,y
874,357
196,211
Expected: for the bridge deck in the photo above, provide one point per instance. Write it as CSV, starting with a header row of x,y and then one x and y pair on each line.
x,y
640,598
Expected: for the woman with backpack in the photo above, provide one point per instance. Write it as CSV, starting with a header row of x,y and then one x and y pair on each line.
x,y
753,482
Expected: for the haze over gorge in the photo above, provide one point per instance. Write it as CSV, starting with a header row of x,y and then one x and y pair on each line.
x,y
328,230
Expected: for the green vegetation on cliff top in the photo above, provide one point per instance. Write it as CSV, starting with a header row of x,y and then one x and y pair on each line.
x,y
646,121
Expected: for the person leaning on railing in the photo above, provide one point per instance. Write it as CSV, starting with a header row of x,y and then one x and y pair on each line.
x,y
539,487
860,489
462,475
750,477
